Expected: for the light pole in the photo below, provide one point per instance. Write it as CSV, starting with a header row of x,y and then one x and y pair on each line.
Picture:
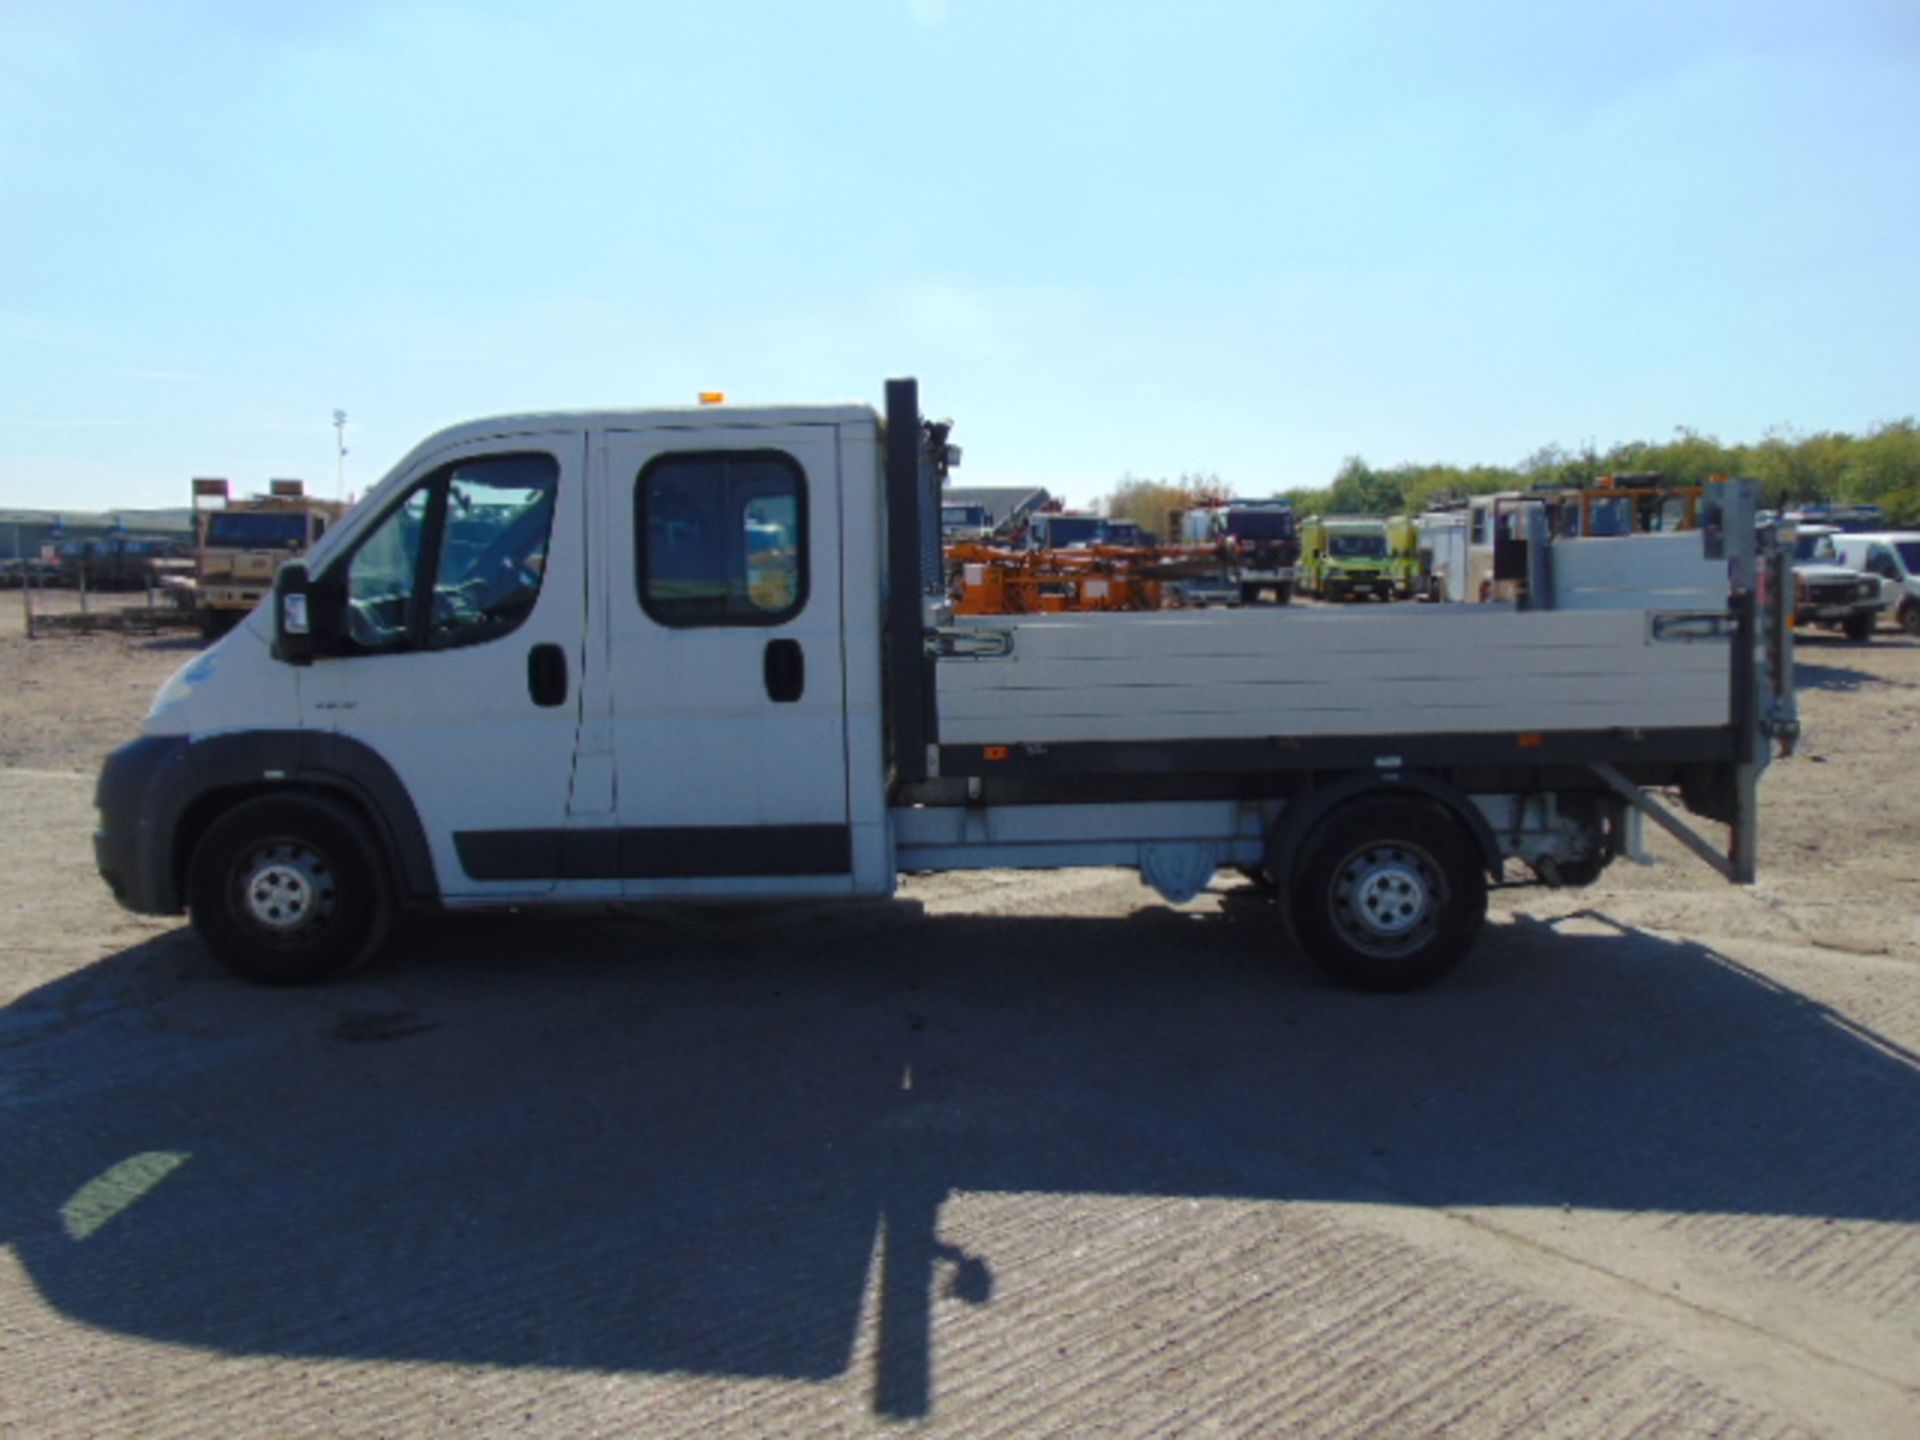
x,y
340,443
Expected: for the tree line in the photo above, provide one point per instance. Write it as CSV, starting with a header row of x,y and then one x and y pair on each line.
x,y
1881,467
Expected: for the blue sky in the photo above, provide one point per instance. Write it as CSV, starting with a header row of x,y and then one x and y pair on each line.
x,y
1110,239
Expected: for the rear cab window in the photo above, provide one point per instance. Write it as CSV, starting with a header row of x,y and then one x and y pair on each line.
x,y
721,537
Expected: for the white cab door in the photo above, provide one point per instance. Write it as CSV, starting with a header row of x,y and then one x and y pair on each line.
x,y
726,665
465,631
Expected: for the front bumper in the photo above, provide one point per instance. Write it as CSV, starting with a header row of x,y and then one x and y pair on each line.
x,y
1337,585
132,799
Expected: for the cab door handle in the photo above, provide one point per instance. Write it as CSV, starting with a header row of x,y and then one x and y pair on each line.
x,y
547,675
785,670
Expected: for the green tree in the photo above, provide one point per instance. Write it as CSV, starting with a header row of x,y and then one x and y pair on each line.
x,y
1358,489
1884,463
1882,466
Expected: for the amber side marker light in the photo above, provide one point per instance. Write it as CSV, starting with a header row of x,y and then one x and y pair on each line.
x,y
1531,741
996,752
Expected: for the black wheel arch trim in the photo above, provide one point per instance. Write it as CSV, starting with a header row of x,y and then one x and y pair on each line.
x,y
1302,816
150,789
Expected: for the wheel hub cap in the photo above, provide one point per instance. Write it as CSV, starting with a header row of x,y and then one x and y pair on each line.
x,y
1385,898
287,887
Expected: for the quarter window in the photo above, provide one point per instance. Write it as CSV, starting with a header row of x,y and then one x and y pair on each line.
x,y
721,538
383,574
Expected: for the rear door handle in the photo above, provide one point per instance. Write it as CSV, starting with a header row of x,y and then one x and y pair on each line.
x,y
547,675
786,671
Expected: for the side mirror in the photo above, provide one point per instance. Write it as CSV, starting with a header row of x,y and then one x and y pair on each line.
x,y
293,638
308,613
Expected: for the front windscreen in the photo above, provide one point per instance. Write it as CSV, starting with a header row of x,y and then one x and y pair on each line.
x,y
1612,516
1357,547
257,530
1072,530
1260,524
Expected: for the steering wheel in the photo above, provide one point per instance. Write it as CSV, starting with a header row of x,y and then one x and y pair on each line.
x,y
457,607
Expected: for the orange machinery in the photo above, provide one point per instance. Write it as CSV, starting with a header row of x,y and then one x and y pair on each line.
x,y
987,580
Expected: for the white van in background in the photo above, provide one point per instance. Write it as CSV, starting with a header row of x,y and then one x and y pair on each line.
x,y
1894,557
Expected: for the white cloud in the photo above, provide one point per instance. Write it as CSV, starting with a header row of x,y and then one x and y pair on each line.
x,y
60,422
156,376
446,357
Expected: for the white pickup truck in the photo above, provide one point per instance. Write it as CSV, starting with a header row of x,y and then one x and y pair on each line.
x,y
702,655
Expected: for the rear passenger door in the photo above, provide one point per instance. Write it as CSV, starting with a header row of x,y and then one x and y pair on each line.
x,y
726,673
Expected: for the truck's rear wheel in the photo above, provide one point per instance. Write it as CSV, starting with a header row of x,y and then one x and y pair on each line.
x,y
289,890
1909,616
1388,895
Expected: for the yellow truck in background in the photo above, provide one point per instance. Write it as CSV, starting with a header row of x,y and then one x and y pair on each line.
x,y
242,543
1403,555
1347,557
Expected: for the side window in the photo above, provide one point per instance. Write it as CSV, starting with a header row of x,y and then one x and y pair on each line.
x,y
721,538
459,562
382,576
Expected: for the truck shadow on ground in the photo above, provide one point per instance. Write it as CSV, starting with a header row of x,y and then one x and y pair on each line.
x,y
1842,678
1829,662
692,1146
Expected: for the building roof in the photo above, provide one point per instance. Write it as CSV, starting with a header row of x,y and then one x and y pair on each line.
x,y
173,519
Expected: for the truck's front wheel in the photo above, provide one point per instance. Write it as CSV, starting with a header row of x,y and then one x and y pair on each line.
x,y
1859,626
1388,895
289,890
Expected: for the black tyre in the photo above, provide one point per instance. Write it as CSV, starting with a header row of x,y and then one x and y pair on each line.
x,y
1859,627
1283,595
1909,616
289,890
1388,895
